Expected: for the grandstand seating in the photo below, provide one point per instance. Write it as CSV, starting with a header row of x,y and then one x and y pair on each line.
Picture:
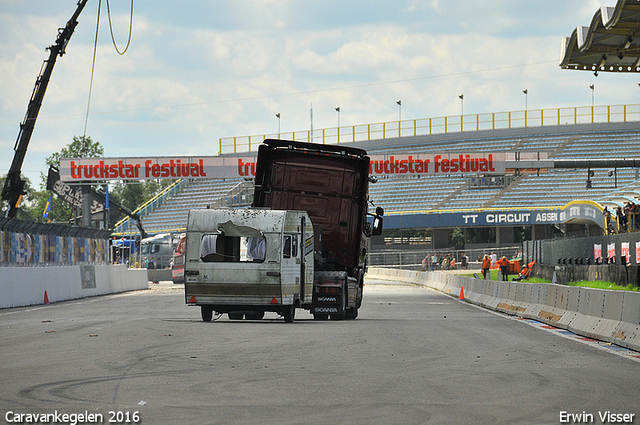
x,y
553,187
172,215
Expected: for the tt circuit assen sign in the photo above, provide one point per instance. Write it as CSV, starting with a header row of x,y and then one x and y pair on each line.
x,y
210,167
577,211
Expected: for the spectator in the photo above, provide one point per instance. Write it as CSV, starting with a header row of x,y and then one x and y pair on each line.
x,y
622,220
464,261
426,263
494,258
607,221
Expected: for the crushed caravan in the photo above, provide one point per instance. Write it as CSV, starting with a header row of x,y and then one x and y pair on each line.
x,y
249,261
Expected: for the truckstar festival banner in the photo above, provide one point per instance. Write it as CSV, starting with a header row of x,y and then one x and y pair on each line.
x,y
197,167
210,167
440,164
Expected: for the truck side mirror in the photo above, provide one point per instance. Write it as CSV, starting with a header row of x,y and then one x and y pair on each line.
x,y
379,212
377,226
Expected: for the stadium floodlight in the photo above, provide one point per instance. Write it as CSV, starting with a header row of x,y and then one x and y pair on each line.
x,y
399,103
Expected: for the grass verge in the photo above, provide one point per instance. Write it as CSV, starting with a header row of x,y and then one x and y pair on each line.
x,y
582,283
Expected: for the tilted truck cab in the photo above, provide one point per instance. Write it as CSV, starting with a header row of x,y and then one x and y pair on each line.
x,y
246,262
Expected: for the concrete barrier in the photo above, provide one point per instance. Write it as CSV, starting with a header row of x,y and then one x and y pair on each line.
x,y
606,315
22,286
158,275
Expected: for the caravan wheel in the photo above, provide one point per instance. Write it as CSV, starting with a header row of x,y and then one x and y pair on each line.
x,y
206,312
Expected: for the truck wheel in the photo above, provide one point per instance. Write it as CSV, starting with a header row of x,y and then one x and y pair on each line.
x,y
235,315
352,313
290,313
206,312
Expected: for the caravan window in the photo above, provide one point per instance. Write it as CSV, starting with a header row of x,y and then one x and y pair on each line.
x,y
290,246
225,248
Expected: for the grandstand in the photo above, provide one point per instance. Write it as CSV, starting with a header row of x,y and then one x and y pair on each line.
x,y
427,194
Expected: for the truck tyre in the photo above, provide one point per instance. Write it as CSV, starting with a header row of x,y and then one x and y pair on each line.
x,y
289,313
235,315
352,313
206,312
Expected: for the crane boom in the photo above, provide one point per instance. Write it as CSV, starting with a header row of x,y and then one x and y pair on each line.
x,y
14,185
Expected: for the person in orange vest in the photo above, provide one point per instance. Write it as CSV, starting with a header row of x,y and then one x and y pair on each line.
x,y
524,274
486,265
503,263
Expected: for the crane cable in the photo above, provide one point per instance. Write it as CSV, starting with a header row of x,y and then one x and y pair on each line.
x,y
111,29
95,49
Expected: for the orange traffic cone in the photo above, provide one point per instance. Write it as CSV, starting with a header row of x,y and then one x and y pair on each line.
x,y
461,293
46,298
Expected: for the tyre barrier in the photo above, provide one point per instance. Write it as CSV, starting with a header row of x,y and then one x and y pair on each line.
x,y
605,315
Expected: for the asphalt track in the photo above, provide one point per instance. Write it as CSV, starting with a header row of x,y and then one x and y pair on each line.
x,y
413,356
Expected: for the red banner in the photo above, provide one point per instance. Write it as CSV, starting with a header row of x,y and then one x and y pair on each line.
x,y
209,167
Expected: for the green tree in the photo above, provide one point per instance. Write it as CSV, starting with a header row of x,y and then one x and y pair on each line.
x,y
80,147
456,237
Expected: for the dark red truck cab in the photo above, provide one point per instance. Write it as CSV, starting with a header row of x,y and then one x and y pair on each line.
x,y
330,183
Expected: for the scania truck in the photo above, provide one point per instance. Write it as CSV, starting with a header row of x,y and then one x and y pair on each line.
x,y
302,243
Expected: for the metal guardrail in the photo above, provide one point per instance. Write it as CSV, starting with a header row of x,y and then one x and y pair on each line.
x,y
440,125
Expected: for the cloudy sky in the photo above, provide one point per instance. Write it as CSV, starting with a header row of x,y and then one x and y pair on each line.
x,y
202,70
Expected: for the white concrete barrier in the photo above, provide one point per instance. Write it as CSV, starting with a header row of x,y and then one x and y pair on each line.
x,y
607,315
22,286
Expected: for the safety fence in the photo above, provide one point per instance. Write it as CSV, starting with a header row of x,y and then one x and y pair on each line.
x,y
25,243
413,258
606,315
440,125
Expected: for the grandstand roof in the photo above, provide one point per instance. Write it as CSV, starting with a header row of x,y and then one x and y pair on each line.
x,y
611,43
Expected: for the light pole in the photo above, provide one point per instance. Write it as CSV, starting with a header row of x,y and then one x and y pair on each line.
x,y
338,111
461,97
593,102
278,116
526,106
399,103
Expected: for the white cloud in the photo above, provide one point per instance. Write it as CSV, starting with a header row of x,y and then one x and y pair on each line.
x,y
200,71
